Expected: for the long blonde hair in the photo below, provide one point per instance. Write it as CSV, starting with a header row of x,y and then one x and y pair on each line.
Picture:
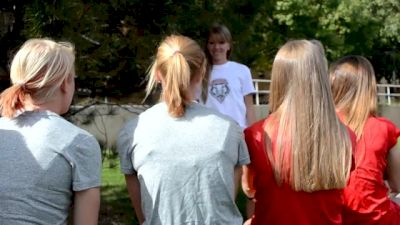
x,y
37,71
353,86
313,147
179,60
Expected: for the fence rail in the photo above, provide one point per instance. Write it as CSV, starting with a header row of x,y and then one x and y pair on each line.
x,y
388,94
262,91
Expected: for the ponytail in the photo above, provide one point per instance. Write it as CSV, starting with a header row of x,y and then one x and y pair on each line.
x,y
179,59
12,100
177,84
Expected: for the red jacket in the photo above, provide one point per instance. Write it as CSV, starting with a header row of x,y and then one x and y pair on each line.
x,y
281,205
366,195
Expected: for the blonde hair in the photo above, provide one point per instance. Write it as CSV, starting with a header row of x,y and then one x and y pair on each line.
x,y
37,70
313,147
353,86
223,34
179,60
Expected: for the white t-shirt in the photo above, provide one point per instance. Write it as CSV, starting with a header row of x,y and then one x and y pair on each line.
x,y
228,85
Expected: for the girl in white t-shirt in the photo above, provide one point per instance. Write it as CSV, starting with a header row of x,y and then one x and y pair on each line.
x,y
228,85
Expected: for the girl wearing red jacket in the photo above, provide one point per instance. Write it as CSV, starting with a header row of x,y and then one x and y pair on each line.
x,y
301,153
376,158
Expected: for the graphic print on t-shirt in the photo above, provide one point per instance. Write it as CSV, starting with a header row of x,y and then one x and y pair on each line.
x,y
219,89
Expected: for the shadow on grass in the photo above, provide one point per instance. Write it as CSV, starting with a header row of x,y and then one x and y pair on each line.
x,y
116,208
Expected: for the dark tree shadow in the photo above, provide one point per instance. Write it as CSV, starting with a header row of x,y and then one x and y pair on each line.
x,y
116,208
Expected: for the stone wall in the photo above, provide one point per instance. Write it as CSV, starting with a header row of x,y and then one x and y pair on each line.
x,y
105,121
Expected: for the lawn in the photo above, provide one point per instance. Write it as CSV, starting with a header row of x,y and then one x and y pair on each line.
x,y
116,208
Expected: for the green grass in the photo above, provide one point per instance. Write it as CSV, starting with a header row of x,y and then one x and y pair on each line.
x,y
116,208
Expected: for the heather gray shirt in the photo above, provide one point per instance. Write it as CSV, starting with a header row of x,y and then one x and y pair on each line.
x,y
185,166
43,159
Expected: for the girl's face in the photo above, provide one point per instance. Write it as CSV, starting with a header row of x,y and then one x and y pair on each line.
x,y
218,49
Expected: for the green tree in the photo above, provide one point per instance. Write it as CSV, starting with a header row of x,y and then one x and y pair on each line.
x,y
115,40
370,28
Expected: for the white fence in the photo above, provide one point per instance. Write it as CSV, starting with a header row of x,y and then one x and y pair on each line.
x,y
262,91
387,93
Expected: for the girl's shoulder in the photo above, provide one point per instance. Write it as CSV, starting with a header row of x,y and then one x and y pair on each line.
x,y
382,127
257,128
237,65
380,122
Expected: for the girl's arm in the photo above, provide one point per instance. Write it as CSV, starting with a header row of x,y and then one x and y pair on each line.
x,y
133,186
393,169
86,206
248,221
250,113
247,181
248,190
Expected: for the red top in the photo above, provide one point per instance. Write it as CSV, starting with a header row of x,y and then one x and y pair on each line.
x,y
366,195
281,205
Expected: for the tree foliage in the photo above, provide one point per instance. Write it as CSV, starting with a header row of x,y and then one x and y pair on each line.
x,y
370,28
116,39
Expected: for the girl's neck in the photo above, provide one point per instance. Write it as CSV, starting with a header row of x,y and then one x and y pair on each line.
x,y
219,61
50,105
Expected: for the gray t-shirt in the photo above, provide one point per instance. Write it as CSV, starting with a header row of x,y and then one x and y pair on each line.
x,y
185,165
44,158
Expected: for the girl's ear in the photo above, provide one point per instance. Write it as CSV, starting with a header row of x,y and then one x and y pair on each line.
x,y
159,77
63,86
65,83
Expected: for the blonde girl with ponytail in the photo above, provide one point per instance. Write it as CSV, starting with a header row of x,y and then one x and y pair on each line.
x,y
181,160
47,163
179,74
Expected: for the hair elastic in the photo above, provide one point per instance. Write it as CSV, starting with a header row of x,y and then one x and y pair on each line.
x,y
177,52
22,86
